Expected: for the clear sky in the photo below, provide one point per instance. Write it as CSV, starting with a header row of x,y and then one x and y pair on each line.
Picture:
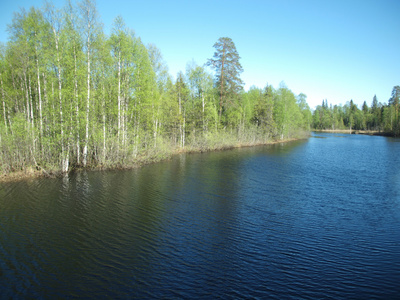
x,y
327,49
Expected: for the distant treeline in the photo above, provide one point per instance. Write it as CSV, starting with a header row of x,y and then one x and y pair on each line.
x,y
377,117
72,96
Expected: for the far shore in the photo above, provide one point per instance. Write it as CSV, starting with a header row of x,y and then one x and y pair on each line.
x,y
366,132
31,172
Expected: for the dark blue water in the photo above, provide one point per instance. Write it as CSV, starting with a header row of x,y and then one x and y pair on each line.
x,y
304,220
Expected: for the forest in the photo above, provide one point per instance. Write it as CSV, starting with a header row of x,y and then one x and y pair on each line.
x,y
383,118
73,96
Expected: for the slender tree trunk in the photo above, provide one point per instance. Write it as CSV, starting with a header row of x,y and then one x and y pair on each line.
x,y
220,97
16,100
137,112
126,112
155,132
40,96
9,122
123,121
85,148
155,122
4,103
53,112
64,156
222,84
46,101
64,159
31,103
32,117
203,116
119,95
46,119
71,131
104,125
123,115
78,151
27,100
181,121
184,128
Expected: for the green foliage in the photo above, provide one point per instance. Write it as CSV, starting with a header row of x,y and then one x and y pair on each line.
x,y
227,77
263,109
378,117
71,96
287,114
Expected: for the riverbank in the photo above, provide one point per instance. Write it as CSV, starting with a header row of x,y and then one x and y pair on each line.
x,y
145,159
348,131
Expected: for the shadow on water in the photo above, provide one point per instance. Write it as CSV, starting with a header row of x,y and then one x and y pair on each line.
x,y
316,218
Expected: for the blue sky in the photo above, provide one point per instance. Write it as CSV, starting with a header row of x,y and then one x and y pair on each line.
x,y
335,50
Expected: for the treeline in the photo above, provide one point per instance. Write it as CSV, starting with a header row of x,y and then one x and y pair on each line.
x,y
378,117
72,96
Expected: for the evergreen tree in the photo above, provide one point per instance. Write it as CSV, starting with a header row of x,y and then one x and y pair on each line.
x,y
227,72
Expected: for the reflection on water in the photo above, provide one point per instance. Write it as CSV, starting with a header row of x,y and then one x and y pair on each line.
x,y
308,219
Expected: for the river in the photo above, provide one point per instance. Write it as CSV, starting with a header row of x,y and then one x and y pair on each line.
x,y
318,218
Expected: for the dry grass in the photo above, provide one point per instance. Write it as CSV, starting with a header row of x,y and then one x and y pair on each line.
x,y
149,158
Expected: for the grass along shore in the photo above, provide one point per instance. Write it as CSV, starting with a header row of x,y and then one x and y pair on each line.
x,y
151,156
366,132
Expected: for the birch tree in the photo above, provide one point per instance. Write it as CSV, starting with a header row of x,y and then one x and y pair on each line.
x,y
160,70
90,28
54,18
74,61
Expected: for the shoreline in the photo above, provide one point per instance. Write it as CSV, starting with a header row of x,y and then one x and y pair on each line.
x,y
32,173
348,131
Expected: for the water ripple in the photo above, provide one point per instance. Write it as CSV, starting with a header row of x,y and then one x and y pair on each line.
x,y
289,221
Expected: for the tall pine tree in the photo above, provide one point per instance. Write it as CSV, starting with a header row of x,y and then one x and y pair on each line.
x,y
228,68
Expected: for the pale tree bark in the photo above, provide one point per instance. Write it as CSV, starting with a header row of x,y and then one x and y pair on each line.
x,y
125,113
203,102
55,24
90,27
119,93
4,103
39,95
155,131
28,110
53,112
16,99
46,100
72,27
85,147
32,116
77,109
155,122
182,114
104,125
184,128
31,104
137,120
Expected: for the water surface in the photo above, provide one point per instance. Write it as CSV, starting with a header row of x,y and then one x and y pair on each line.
x,y
310,219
